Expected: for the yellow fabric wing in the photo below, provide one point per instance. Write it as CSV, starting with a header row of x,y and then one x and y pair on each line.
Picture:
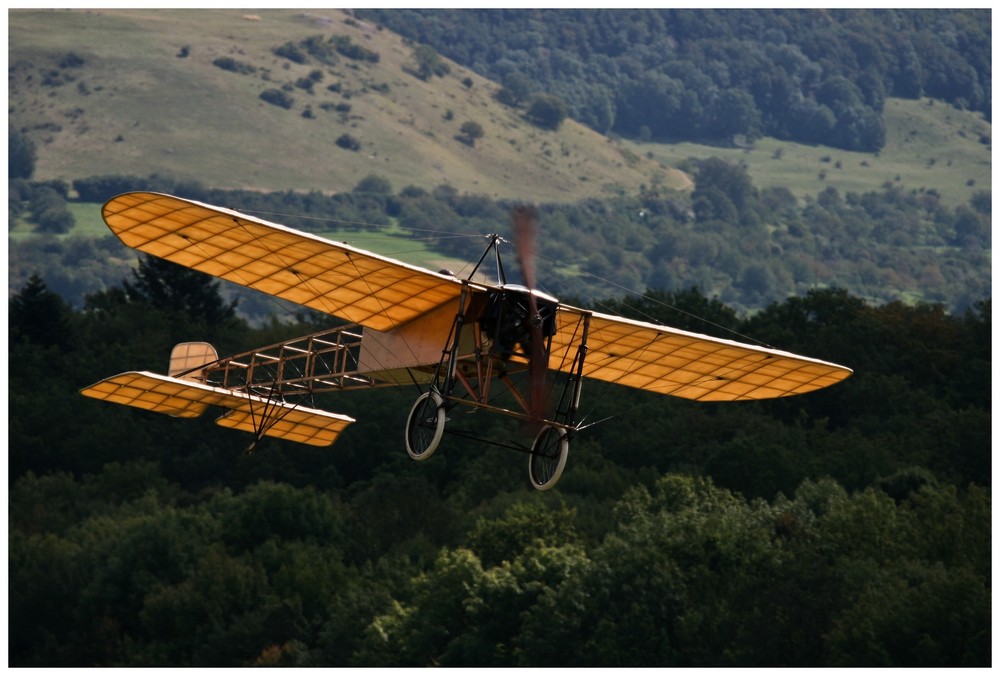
x,y
683,364
187,399
355,285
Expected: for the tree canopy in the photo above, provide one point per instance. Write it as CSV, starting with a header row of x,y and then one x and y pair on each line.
x,y
812,76
848,527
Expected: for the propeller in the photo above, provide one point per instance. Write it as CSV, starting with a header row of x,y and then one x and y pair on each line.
x,y
525,222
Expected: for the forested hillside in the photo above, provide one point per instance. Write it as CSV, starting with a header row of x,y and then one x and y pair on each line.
x,y
847,527
812,76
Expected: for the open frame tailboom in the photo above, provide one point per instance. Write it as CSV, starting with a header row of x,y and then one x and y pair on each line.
x,y
324,361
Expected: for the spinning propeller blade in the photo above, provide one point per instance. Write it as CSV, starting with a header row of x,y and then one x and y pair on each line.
x,y
525,242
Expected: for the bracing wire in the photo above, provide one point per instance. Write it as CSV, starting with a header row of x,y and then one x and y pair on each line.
x,y
438,235
656,301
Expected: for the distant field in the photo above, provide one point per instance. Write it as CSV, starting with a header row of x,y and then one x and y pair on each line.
x,y
88,223
929,145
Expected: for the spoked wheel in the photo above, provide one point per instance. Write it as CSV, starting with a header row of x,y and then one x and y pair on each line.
x,y
548,457
425,425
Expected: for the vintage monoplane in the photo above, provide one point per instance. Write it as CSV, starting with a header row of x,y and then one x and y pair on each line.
x,y
460,341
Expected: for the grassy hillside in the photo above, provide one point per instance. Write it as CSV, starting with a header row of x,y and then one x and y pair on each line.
x,y
134,105
929,145
139,94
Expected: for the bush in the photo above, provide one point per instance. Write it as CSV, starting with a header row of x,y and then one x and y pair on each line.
x,y
234,66
348,142
21,154
56,220
373,183
72,60
277,97
471,131
347,48
291,52
547,111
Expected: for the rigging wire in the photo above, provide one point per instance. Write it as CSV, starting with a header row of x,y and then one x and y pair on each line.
x,y
655,301
437,235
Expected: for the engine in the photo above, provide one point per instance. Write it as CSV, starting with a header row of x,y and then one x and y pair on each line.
x,y
509,322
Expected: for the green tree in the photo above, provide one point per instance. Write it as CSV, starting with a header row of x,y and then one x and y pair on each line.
x,y
21,154
173,288
278,97
731,180
517,88
40,316
667,587
429,62
374,184
523,523
712,204
735,112
56,219
547,111
471,132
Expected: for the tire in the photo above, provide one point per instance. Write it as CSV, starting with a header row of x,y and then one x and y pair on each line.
x,y
425,425
548,457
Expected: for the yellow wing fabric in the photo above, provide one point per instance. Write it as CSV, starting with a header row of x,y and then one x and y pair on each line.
x,y
337,279
683,364
187,399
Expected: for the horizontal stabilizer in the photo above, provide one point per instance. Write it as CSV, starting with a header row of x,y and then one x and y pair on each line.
x,y
250,413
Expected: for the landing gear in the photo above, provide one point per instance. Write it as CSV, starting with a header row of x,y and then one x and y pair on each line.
x,y
425,425
548,457
493,339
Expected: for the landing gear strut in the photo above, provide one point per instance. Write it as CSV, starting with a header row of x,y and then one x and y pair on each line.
x,y
496,332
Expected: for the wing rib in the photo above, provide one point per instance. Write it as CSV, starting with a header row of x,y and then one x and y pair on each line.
x,y
688,365
355,285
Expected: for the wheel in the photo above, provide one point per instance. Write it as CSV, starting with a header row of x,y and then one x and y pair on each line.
x,y
425,425
548,457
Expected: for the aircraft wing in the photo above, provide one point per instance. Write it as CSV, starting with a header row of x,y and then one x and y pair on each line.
x,y
683,364
247,412
355,285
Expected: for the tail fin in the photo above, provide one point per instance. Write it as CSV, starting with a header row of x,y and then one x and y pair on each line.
x,y
186,358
